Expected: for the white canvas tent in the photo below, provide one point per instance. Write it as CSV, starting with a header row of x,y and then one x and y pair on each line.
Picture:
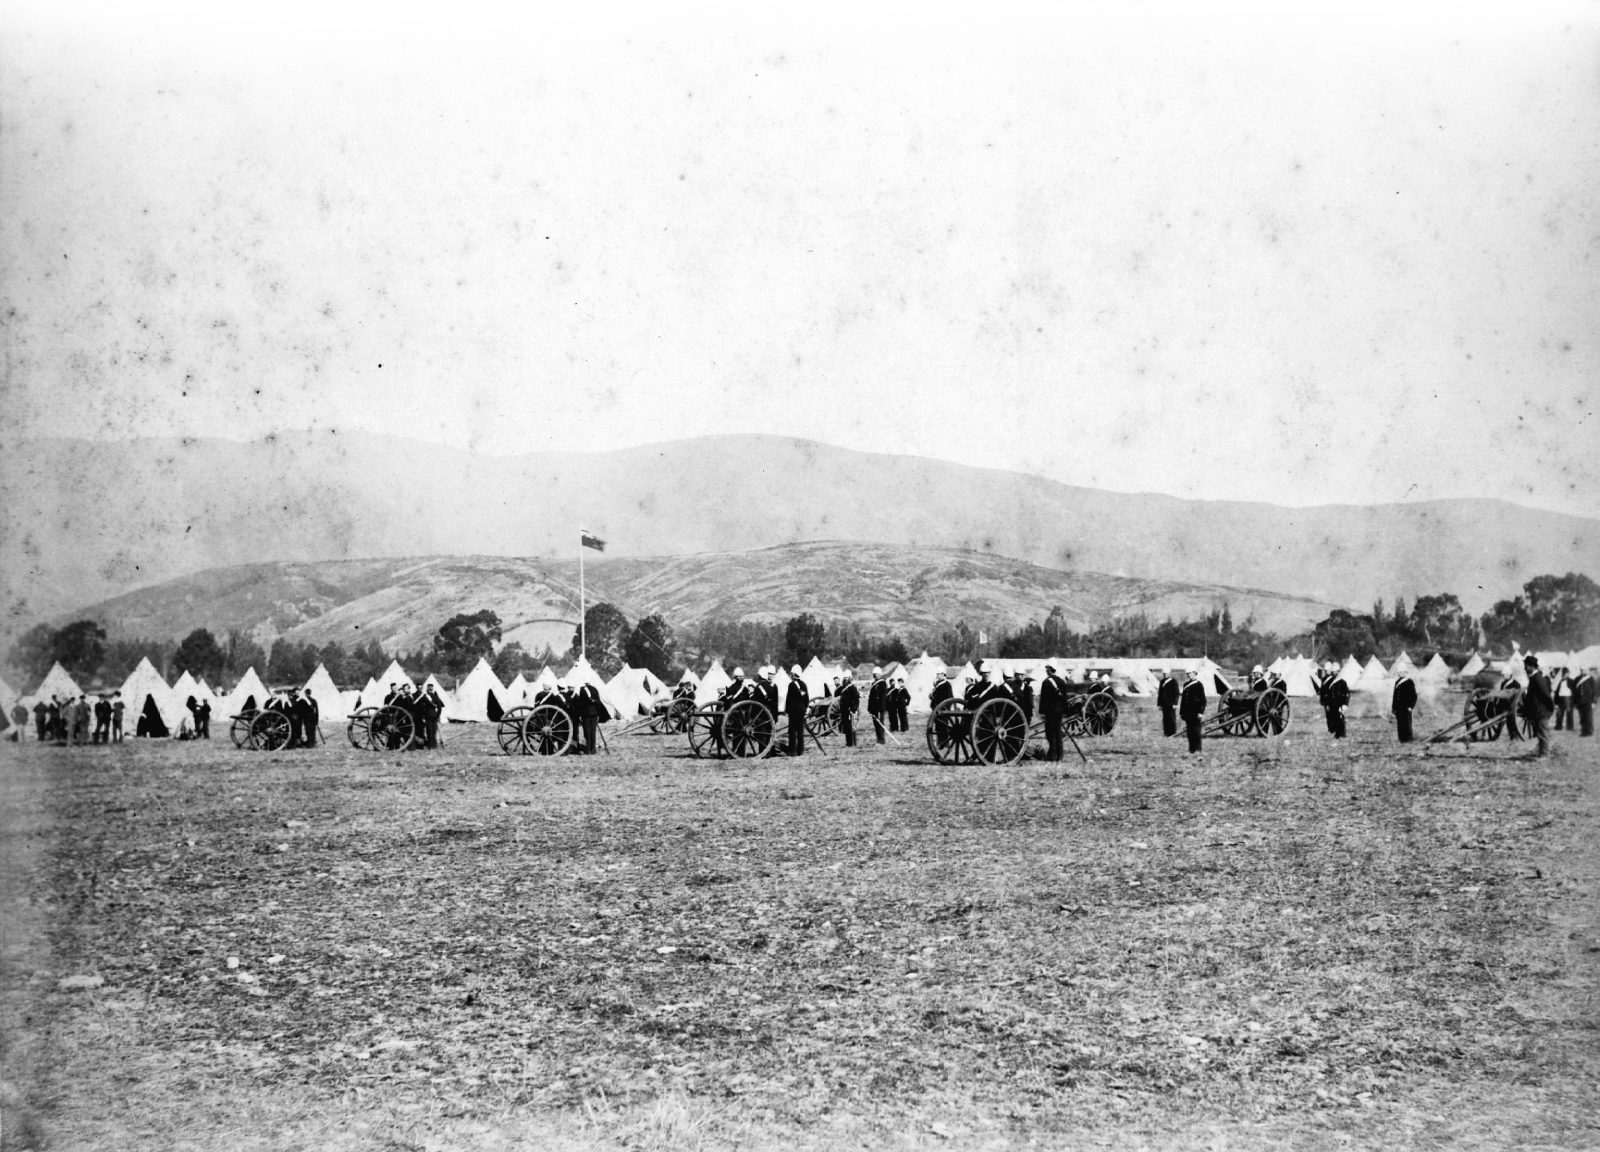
x,y
444,693
480,697
330,702
184,687
963,676
1402,664
689,677
816,678
371,696
1436,671
1297,672
1350,671
517,692
394,675
8,698
233,703
634,691
713,682
1374,669
1585,658
1472,667
55,683
582,672
144,684
921,675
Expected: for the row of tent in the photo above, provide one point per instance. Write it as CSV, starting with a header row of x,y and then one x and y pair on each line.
x,y
481,696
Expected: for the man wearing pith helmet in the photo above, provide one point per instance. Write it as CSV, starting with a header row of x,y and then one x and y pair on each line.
x,y
794,705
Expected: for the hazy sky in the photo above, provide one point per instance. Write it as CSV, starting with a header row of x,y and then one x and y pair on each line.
x,y
1225,254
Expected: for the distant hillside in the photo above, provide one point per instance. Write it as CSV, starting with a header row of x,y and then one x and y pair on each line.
x,y
83,521
885,588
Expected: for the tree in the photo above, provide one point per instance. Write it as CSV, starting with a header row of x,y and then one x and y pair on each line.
x,y
891,651
1440,622
34,652
465,639
199,654
510,660
608,631
652,645
1552,612
242,654
804,636
81,648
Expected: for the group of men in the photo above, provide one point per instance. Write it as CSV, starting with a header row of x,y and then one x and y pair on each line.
x,y
65,719
1187,703
423,705
301,709
1567,697
586,709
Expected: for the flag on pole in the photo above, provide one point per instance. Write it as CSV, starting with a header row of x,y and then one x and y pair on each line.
x,y
589,541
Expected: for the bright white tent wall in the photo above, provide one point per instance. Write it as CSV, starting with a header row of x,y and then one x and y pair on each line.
x,y
545,679
1472,667
205,690
517,692
1436,671
184,687
56,682
1402,663
1350,671
921,675
963,676
816,678
1297,675
232,704
473,694
1586,658
688,674
582,672
8,699
1374,668
444,693
394,675
371,696
634,691
322,689
143,683
713,682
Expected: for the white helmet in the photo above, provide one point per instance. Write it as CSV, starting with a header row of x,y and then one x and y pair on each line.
x,y
738,673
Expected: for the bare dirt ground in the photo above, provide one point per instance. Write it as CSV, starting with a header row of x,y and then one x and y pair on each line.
x,y
1291,943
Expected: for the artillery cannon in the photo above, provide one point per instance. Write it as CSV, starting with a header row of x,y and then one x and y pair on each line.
x,y
822,717
384,728
1249,712
743,729
1091,709
1485,713
548,727
992,731
260,730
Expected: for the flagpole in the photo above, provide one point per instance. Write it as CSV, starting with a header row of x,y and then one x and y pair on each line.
x,y
583,615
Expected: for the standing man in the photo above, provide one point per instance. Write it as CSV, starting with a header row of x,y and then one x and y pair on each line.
x,y
305,707
1335,699
1053,707
1401,704
795,703
19,721
591,711
1192,707
1167,701
102,720
1538,703
80,721
900,706
942,690
202,720
1583,701
849,704
877,701
117,709
435,712
1563,686
769,689
41,720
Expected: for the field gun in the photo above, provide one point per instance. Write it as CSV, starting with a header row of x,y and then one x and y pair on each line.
x,y
1485,713
1249,712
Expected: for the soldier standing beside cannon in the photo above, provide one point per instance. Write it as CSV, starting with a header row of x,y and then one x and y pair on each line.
x,y
1053,707
899,706
591,712
1192,707
1335,699
849,704
1401,704
1583,701
795,703
1167,701
1538,703
877,701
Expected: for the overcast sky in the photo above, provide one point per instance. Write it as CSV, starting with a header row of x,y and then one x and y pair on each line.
x,y
1349,258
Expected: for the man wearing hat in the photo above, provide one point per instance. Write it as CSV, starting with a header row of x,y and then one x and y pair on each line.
x,y
795,703
1538,702
1583,701
849,705
769,688
1167,701
899,706
942,690
1335,699
877,701
1053,707
1192,707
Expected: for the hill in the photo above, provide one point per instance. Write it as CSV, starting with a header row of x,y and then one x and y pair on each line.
x,y
886,588
84,521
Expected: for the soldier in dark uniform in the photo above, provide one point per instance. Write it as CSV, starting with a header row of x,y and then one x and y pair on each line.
x,y
1167,700
292,708
435,711
591,713
1335,699
942,690
795,703
1053,707
117,708
305,707
877,701
1401,704
1258,679
202,720
769,689
849,705
1583,701
1192,707
900,706
1539,703
41,720
102,720
1024,694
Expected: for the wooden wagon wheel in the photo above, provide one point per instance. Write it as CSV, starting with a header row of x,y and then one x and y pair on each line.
x,y
360,728
679,714
239,730
1494,708
949,732
1473,711
269,731
1517,726
1272,712
705,731
999,732
1075,721
1100,714
1231,723
392,729
748,730
548,730
822,721
508,731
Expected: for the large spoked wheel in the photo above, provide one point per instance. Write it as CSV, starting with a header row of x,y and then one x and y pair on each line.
x,y
1473,711
239,730
1099,714
1235,718
705,731
1517,726
679,715
949,727
1494,711
822,721
1075,722
360,728
392,729
1272,712
509,733
999,732
548,731
748,730
269,731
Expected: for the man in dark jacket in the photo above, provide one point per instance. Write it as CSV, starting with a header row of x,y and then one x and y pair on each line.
x,y
1192,707
1052,707
41,721
1583,701
1335,699
900,706
591,712
1538,702
102,720
795,703
1401,703
849,705
1167,700
877,701
117,709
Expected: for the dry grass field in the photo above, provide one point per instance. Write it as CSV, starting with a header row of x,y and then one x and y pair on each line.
x,y
1297,943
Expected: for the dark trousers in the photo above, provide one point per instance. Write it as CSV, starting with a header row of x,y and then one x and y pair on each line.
x,y
1191,729
1402,725
877,725
1571,717
1336,722
1539,729
847,728
1561,714
116,730
589,724
1052,737
1585,719
797,733
1169,721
